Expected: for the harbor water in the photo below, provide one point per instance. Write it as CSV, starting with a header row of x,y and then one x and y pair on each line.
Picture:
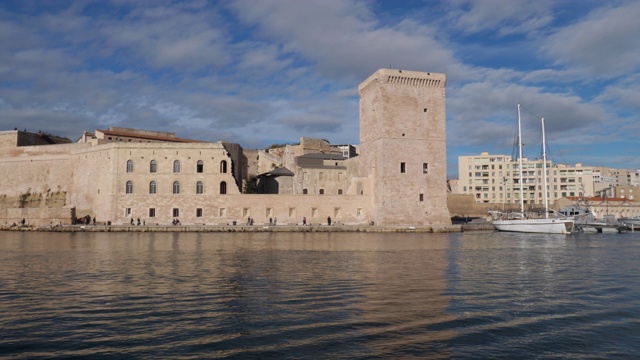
x,y
472,295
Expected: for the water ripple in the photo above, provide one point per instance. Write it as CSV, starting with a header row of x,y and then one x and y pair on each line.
x,y
337,296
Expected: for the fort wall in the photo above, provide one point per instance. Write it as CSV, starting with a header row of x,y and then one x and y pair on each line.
x,y
219,210
399,179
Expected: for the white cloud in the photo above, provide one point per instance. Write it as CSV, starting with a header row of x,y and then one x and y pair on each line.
x,y
484,113
502,17
343,39
604,44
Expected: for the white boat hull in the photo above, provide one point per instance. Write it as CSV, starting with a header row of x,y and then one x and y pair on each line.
x,y
540,226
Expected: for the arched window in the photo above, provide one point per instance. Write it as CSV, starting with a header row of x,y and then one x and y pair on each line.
x,y
129,166
200,167
176,166
153,166
199,187
223,166
152,187
305,191
223,187
339,191
176,187
129,187
321,191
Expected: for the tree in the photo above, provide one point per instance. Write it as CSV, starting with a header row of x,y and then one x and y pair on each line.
x,y
251,185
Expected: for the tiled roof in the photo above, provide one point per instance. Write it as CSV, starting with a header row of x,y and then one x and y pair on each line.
x,y
148,137
323,156
277,172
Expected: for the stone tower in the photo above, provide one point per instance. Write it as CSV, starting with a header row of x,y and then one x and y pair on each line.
x,y
403,146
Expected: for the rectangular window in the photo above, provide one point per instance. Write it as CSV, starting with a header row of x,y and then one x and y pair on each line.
x,y
425,168
152,212
403,167
292,212
421,197
176,212
198,212
127,212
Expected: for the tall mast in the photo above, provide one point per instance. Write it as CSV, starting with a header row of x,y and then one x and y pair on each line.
x,y
544,172
520,161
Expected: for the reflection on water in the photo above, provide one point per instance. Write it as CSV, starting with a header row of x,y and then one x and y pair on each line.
x,y
310,295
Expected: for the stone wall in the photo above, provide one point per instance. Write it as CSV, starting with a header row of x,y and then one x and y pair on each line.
x,y
462,205
34,200
224,209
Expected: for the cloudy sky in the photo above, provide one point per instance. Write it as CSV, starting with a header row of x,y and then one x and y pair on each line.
x,y
259,72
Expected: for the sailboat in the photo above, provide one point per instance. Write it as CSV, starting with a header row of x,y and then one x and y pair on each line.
x,y
528,223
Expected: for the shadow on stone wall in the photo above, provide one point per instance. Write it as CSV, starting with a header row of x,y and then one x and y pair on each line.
x,y
28,200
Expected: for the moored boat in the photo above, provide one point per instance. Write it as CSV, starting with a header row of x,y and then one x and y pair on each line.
x,y
510,222
526,223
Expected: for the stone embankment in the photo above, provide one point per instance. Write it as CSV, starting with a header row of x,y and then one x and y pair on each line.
x,y
254,228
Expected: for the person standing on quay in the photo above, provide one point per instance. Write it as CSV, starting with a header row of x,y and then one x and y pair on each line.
x,y
329,220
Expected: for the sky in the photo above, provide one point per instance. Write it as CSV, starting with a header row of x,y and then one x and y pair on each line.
x,y
263,72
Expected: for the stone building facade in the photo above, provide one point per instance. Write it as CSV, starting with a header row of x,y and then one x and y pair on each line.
x,y
121,175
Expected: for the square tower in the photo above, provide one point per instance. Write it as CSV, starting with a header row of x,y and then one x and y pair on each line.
x,y
403,146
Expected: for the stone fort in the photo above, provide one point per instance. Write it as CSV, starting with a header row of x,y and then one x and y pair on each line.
x,y
120,175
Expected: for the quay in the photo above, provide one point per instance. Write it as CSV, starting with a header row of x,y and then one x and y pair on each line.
x,y
602,228
256,228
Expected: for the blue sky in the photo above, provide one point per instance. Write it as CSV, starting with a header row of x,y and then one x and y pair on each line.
x,y
260,72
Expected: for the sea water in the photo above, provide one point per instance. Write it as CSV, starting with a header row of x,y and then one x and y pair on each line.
x,y
473,295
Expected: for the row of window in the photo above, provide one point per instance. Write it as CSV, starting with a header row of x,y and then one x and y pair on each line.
x,y
153,166
175,212
153,187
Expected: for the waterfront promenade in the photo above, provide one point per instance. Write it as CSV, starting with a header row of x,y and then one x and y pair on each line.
x,y
256,228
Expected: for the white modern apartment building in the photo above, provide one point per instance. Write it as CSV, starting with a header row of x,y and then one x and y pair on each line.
x,y
495,179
